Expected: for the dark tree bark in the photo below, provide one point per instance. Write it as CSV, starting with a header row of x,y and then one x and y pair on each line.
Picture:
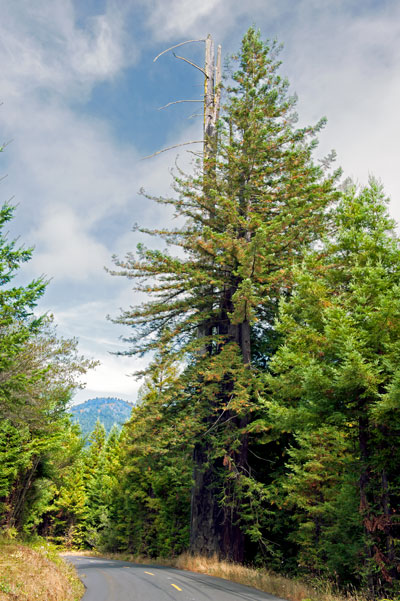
x,y
215,527
365,476
206,515
375,509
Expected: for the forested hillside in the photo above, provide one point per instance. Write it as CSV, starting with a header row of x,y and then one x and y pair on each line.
x,y
109,411
268,424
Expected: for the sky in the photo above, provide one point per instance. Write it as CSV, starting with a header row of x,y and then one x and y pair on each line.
x,y
80,95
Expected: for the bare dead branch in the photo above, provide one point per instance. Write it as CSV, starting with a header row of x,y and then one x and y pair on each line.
x,y
171,147
209,98
176,46
217,97
177,102
182,58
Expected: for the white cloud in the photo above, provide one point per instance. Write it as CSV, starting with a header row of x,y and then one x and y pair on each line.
x,y
111,379
107,376
43,48
345,66
67,170
98,339
74,177
70,175
178,17
66,250
185,18
99,54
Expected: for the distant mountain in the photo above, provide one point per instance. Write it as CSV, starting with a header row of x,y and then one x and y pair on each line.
x,y
109,411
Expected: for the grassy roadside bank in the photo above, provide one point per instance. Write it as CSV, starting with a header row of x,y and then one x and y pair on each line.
x,y
36,573
262,579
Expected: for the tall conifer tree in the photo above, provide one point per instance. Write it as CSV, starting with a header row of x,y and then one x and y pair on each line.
x,y
248,217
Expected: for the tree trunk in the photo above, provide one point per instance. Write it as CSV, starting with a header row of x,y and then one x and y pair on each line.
x,y
244,340
365,476
388,527
17,497
206,515
214,528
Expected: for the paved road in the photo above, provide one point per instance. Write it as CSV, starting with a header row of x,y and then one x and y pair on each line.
x,y
110,580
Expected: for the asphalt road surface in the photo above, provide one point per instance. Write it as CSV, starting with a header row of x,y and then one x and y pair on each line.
x,y
110,580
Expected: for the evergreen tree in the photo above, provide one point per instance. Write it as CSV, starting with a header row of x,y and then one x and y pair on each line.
x,y
17,324
318,487
38,372
83,484
339,366
150,503
69,507
250,209
96,484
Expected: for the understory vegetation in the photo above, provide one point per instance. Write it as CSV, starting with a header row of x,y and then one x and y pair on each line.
x,y
267,429
35,572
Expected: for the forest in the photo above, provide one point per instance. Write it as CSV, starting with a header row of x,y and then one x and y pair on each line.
x,y
266,432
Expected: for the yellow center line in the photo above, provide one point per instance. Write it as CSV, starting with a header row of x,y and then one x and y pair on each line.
x,y
126,567
151,573
177,587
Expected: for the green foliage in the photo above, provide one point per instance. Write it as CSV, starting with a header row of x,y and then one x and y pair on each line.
x,y
34,423
83,482
151,497
248,211
38,372
339,366
319,487
246,218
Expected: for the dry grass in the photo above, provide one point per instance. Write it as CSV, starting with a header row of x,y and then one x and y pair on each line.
x,y
28,574
285,588
262,579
